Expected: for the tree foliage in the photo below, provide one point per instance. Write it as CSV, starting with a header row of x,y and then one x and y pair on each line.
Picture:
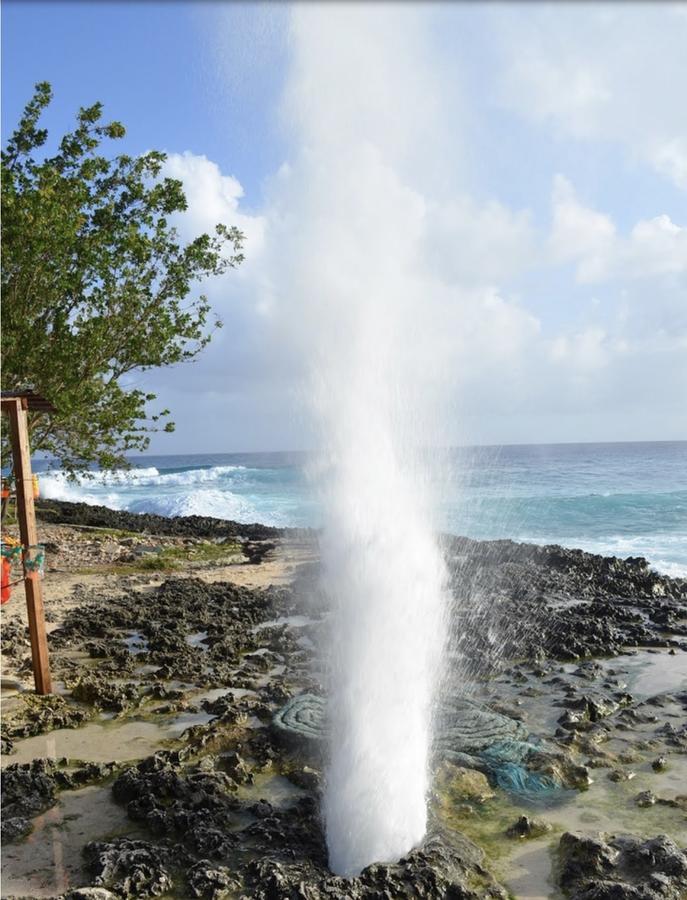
x,y
97,285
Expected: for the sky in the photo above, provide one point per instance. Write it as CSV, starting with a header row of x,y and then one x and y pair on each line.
x,y
512,176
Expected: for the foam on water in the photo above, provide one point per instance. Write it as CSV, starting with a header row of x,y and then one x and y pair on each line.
x,y
226,492
513,497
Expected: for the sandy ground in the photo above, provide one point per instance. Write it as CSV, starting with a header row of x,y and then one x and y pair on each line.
x,y
85,559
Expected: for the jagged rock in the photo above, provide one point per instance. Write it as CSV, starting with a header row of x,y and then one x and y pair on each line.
x,y
237,768
27,789
190,805
524,827
129,868
553,602
40,713
69,513
14,828
598,867
102,692
211,882
307,778
584,856
440,870
621,775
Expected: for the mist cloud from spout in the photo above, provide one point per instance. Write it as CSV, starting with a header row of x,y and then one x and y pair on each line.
x,y
353,295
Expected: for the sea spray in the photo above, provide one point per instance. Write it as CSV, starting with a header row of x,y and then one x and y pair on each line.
x,y
384,577
349,283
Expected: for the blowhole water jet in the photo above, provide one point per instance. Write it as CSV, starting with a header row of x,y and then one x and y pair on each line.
x,y
368,318
383,574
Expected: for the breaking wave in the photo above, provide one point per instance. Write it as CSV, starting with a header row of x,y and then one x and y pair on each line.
x,y
638,509
225,492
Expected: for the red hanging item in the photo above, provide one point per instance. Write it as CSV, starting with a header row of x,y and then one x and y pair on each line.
x,y
6,586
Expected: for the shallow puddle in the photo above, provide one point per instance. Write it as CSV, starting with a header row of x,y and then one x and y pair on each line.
x,y
197,639
186,720
295,621
136,643
50,861
649,673
525,866
276,789
95,742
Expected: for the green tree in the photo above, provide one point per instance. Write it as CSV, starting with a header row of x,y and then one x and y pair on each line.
x,y
97,285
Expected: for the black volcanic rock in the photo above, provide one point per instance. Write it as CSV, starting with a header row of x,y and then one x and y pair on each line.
x,y
525,601
622,867
64,512
129,868
442,869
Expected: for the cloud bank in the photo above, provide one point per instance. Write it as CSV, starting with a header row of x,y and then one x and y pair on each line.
x,y
555,321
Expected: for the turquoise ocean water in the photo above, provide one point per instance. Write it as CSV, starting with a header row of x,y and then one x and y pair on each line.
x,y
625,499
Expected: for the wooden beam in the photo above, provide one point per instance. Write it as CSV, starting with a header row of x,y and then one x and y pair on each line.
x,y
26,516
36,403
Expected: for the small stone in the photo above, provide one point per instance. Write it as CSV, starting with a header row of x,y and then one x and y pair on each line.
x,y
621,775
464,809
572,720
660,764
583,855
524,827
645,799
14,828
306,778
90,893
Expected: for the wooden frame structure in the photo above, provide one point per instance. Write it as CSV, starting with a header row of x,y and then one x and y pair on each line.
x,y
16,405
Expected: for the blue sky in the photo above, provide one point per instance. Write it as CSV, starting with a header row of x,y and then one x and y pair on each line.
x,y
545,146
156,67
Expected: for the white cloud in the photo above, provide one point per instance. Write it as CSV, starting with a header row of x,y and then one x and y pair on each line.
x,y
608,72
470,243
654,247
370,235
586,350
579,233
212,198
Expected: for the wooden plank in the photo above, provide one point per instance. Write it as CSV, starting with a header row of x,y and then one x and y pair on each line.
x,y
26,516
35,401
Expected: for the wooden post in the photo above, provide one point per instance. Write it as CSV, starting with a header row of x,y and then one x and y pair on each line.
x,y
26,516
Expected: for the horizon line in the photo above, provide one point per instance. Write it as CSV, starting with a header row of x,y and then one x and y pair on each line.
x,y
449,447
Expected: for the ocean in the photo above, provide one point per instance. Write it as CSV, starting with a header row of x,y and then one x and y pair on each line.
x,y
620,499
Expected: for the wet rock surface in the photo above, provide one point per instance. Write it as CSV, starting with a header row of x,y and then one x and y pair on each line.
x,y
603,867
31,788
38,715
130,868
226,807
551,602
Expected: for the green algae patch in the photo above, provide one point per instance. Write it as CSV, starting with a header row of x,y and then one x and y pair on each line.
x,y
461,784
173,559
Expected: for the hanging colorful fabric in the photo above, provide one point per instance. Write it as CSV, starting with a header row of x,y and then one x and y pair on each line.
x,y
6,586
11,548
34,560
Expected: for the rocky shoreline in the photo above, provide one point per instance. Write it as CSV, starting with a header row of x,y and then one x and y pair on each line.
x,y
171,674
